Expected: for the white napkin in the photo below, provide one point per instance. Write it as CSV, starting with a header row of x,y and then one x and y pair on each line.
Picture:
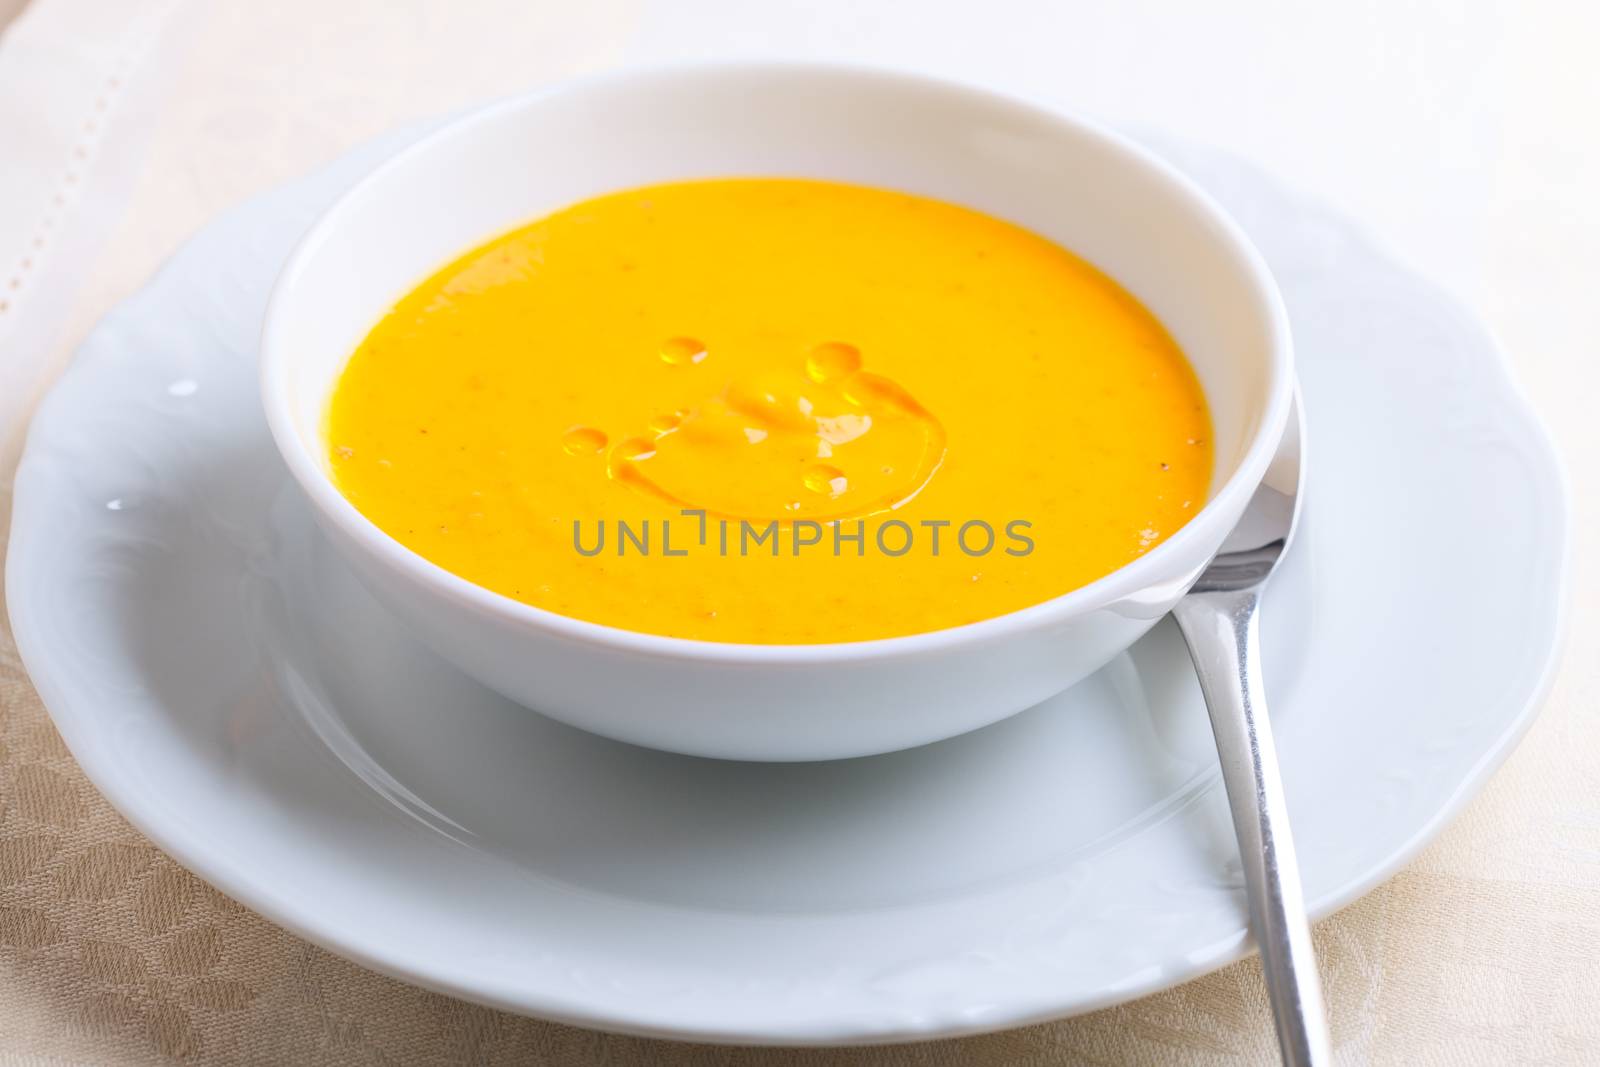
x,y
70,71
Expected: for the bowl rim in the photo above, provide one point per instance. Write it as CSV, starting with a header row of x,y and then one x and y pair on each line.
x,y
1153,569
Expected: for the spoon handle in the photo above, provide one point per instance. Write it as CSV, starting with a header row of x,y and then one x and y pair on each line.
x,y
1223,638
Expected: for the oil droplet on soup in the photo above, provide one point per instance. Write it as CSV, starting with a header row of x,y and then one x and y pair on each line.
x,y
583,441
831,361
682,351
817,358
829,481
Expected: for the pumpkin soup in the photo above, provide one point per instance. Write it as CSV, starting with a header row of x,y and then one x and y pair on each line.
x,y
772,411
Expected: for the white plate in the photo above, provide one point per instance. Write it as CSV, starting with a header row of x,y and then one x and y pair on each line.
x,y
235,694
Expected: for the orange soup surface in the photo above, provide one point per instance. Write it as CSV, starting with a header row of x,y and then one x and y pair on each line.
x,y
772,411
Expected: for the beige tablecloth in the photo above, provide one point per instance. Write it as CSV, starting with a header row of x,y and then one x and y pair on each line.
x,y
124,127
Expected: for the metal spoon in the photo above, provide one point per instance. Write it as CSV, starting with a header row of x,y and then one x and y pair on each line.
x,y
1218,620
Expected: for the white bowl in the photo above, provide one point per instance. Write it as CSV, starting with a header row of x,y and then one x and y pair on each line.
x,y
1066,179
